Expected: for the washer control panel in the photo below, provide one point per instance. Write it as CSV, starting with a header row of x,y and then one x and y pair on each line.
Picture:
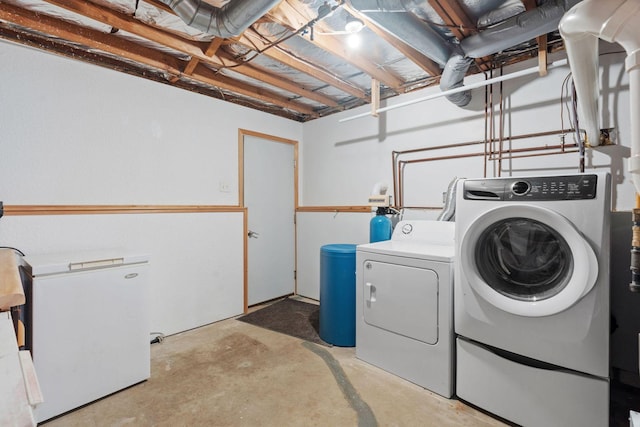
x,y
567,187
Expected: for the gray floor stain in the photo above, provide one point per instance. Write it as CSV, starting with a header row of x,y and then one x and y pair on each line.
x,y
366,418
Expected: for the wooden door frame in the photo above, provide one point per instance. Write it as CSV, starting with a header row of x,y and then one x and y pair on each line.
x,y
241,134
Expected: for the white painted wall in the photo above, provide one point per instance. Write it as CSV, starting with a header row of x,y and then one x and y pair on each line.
x,y
316,229
341,162
95,136
74,133
196,268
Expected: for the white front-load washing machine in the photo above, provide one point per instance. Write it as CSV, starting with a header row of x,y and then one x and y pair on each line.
x,y
404,305
532,298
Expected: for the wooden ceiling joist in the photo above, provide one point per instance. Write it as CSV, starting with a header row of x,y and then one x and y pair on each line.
x,y
136,27
402,46
251,40
451,13
147,56
275,74
88,37
293,14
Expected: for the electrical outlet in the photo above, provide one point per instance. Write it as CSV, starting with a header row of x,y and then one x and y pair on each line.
x,y
224,187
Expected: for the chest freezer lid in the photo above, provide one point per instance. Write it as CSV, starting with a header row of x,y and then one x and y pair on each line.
x,y
66,262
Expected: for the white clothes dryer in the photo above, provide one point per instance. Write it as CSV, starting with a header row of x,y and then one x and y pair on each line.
x,y
404,304
532,298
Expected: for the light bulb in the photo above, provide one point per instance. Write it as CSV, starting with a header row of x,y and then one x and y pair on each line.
x,y
353,40
353,25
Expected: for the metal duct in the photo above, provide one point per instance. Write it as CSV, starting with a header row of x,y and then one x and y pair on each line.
x,y
505,11
517,29
508,33
227,21
453,76
395,17
449,211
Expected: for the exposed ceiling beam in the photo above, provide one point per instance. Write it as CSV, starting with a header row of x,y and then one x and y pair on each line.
x,y
209,51
262,75
451,13
252,40
206,74
135,52
134,26
418,58
458,22
542,41
88,37
294,14
13,33
129,24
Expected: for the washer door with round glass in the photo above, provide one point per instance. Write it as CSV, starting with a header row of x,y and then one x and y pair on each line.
x,y
527,260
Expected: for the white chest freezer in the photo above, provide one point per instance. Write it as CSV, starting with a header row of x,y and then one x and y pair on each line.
x,y
90,326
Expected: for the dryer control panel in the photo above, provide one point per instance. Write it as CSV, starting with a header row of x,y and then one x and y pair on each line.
x,y
566,187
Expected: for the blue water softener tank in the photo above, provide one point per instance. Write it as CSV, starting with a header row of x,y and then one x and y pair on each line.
x,y
380,226
338,294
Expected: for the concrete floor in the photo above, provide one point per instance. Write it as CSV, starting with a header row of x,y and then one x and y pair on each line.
x,y
234,374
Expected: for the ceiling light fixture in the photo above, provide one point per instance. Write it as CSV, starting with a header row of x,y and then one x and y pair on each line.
x,y
353,25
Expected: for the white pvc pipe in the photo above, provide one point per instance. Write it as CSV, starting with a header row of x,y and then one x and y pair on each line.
x,y
615,21
482,83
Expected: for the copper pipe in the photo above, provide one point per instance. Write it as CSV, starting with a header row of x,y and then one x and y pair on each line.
x,y
513,150
500,129
439,147
539,148
542,154
394,157
486,136
465,144
491,118
400,183
431,159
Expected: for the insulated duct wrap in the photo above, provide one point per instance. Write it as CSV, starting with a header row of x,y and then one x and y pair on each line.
x,y
227,21
453,77
506,10
395,17
510,32
517,29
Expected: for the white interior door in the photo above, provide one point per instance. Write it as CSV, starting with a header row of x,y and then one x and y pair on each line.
x,y
269,190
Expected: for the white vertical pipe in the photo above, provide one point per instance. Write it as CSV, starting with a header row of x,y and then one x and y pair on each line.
x,y
633,68
615,21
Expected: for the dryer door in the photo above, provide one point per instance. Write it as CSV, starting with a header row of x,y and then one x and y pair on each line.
x,y
401,299
527,260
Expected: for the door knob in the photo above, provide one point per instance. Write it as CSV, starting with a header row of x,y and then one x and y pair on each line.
x,y
253,234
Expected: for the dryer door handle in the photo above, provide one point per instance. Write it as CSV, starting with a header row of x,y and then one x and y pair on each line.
x,y
371,290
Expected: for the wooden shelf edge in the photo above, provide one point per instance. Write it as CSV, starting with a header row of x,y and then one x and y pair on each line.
x,y
20,210
333,209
